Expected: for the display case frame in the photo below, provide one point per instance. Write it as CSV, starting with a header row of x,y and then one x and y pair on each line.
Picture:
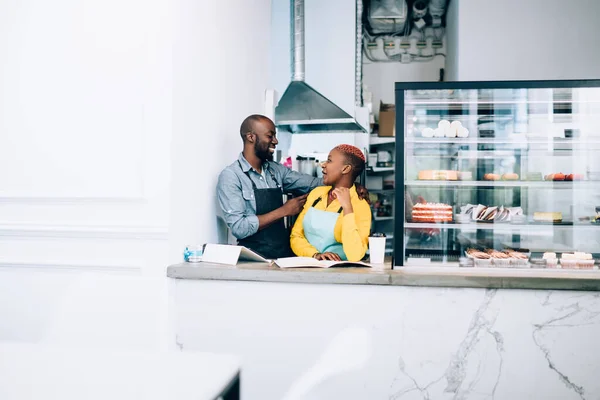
x,y
400,223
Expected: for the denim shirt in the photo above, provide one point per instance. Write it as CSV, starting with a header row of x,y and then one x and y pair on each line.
x,y
236,195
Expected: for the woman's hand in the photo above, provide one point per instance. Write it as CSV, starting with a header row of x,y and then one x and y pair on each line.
x,y
342,194
327,256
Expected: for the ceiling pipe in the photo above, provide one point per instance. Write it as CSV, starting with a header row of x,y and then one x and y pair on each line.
x,y
297,41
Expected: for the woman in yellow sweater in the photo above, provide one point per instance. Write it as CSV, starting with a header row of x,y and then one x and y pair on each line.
x,y
335,223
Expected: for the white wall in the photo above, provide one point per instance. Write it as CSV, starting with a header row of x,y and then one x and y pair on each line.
x,y
116,119
534,39
84,133
221,69
381,77
452,43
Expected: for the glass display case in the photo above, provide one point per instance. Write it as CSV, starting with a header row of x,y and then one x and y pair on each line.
x,y
498,174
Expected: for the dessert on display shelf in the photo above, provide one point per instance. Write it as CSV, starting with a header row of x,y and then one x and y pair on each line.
x,y
446,129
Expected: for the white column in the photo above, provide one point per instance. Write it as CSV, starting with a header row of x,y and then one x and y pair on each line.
x,y
220,69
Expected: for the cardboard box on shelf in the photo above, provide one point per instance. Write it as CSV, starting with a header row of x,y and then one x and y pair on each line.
x,y
387,120
388,184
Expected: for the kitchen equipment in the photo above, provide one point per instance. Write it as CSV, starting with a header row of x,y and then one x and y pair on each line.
x,y
372,160
419,9
318,169
384,159
302,108
306,165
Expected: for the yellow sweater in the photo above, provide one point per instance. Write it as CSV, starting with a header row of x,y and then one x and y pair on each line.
x,y
351,230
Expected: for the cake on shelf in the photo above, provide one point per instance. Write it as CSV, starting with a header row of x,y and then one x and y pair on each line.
x,y
555,177
510,177
551,260
447,129
438,175
465,176
499,258
534,176
483,213
505,177
516,254
432,212
573,177
474,253
491,177
563,177
577,260
547,216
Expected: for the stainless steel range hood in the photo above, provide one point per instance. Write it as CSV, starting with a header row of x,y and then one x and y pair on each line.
x,y
302,108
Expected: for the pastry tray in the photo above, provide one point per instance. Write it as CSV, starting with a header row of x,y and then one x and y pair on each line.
x,y
431,222
470,221
563,223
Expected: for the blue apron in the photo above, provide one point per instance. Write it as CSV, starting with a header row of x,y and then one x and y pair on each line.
x,y
319,228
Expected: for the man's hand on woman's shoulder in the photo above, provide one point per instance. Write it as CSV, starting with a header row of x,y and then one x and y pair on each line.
x,y
294,205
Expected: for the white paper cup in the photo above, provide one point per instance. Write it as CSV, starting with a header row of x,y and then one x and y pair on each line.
x,y
376,250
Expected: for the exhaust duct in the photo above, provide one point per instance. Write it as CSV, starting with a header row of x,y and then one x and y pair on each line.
x,y
303,109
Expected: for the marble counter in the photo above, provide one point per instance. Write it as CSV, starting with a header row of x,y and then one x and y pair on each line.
x,y
425,342
262,272
405,276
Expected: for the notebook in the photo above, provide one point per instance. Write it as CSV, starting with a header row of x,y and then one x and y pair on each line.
x,y
229,254
309,262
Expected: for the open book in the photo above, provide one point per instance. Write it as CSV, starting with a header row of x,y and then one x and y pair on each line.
x,y
308,262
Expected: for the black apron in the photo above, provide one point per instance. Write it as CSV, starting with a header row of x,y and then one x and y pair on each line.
x,y
273,241
319,199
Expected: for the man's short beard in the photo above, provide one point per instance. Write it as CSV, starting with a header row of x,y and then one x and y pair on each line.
x,y
263,155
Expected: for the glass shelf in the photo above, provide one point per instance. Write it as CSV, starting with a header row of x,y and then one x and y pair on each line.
x,y
375,140
380,169
386,218
383,191
491,103
506,227
569,185
502,141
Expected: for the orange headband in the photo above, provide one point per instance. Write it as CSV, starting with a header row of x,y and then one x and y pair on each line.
x,y
349,149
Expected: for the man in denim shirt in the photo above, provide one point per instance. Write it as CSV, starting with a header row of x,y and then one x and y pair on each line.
x,y
250,191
